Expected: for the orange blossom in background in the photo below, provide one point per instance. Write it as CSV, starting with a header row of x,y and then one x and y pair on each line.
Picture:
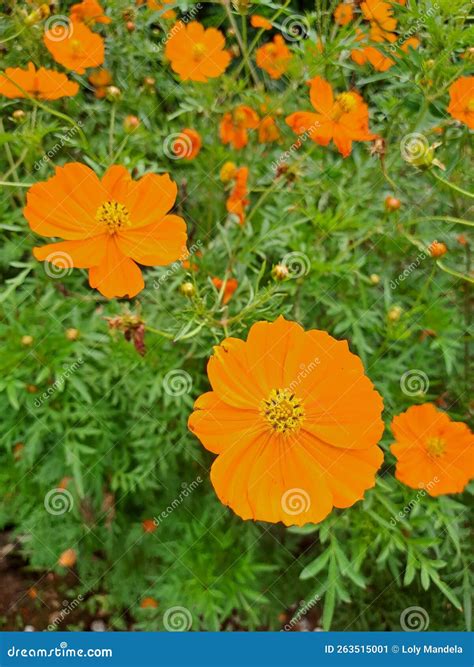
x,y
44,84
432,452
196,53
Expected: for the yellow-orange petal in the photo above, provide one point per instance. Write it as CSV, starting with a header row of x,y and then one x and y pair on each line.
x,y
117,275
156,244
78,254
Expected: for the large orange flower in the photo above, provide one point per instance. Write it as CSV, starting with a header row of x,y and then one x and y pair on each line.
x,y
89,11
107,224
74,46
294,421
233,127
432,452
196,54
43,83
274,57
343,119
461,105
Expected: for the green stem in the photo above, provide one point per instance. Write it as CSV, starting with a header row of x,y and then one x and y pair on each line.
x,y
16,185
445,218
456,274
243,48
452,186
112,129
165,334
8,39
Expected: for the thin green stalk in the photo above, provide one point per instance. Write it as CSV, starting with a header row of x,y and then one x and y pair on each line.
x,y
445,218
465,193
112,129
242,46
454,273
16,185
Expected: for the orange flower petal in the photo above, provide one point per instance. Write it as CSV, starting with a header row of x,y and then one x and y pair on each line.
x,y
78,254
160,243
117,275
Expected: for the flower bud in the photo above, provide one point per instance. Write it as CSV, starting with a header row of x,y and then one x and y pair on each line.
x,y
27,340
67,558
227,172
187,289
19,115
131,123
438,249
392,203
374,278
113,93
72,334
130,25
280,272
395,313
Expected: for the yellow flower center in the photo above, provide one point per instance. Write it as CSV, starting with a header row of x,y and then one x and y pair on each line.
x,y
199,51
435,446
76,47
470,106
113,215
345,103
283,411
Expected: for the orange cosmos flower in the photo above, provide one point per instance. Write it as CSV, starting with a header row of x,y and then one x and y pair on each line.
x,y
461,105
432,452
230,287
294,421
44,84
370,54
344,13
75,46
258,21
437,249
343,119
196,54
90,12
274,57
380,13
108,225
159,7
237,201
268,131
100,79
233,127
188,144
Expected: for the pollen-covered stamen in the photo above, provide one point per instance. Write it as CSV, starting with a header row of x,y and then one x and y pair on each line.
x,y
283,411
113,215
435,446
199,51
345,103
470,106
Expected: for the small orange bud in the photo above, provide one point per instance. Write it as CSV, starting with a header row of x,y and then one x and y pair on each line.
x,y
131,123
67,558
72,334
149,603
32,593
148,525
395,313
149,82
462,240
63,484
18,451
438,249
130,25
392,203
